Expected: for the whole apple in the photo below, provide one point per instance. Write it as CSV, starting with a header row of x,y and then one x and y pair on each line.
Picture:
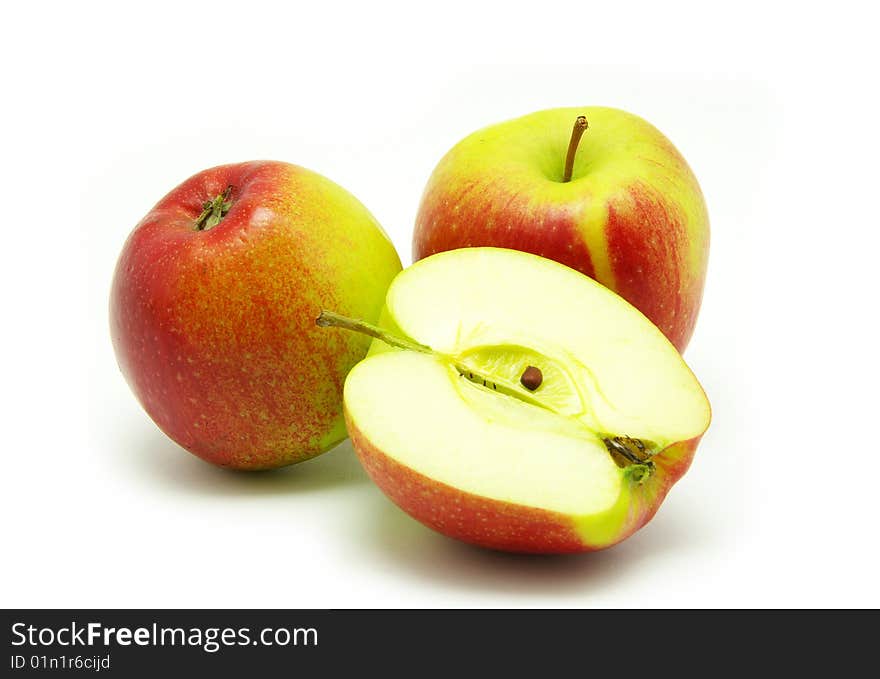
x,y
619,204
213,304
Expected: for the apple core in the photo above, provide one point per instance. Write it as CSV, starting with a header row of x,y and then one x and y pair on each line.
x,y
493,368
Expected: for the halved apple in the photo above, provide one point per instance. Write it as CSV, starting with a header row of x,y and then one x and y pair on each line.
x,y
514,403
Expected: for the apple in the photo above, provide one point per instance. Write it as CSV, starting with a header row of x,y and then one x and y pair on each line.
x,y
619,204
514,403
213,304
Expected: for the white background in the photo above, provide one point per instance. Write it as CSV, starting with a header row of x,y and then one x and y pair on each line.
x,y
107,107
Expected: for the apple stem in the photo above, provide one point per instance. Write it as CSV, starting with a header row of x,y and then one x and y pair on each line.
x,y
214,210
329,319
580,126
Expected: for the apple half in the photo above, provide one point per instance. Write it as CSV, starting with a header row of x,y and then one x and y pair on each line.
x,y
514,403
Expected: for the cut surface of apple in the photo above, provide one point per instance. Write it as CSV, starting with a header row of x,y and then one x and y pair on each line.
x,y
448,429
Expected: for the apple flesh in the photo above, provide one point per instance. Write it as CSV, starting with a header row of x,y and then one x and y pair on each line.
x,y
442,422
213,304
632,215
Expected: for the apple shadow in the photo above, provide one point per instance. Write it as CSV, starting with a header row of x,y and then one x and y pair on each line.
x,y
156,457
401,543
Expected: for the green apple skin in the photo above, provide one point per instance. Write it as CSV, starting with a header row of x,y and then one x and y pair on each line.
x,y
214,329
632,217
490,523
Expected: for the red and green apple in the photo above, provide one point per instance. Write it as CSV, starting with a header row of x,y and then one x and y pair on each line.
x,y
213,304
619,204
512,402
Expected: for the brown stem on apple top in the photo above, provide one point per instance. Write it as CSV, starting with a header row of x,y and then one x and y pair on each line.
x,y
329,319
214,210
580,126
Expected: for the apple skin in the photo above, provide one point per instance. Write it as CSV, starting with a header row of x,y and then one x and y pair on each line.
x,y
508,527
632,217
214,330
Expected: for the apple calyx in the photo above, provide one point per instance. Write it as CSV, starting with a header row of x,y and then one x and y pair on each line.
x,y
632,454
580,126
214,210
629,453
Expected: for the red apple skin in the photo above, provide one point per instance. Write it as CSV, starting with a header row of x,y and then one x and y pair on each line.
x,y
633,217
214,329
507,527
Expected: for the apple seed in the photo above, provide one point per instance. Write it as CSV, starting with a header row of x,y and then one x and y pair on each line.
x,y
532,377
